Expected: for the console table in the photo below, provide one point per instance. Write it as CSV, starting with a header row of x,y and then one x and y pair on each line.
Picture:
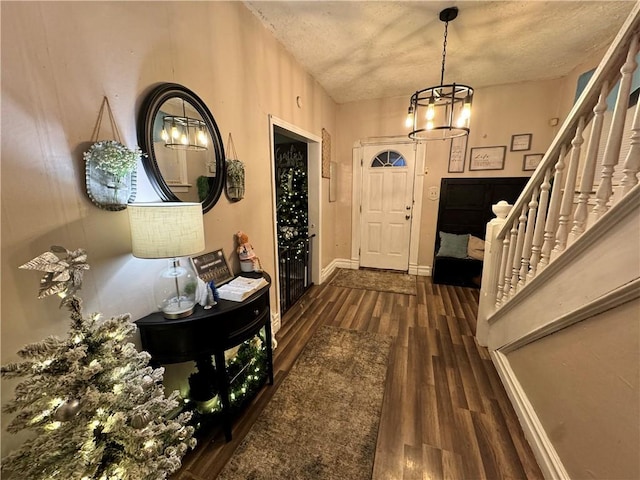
x,y
208,333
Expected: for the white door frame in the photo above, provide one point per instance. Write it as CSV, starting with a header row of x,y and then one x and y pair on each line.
x,y
314,172
418,181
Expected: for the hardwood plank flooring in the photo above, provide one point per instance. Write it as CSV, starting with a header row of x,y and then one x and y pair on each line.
x,y
445,413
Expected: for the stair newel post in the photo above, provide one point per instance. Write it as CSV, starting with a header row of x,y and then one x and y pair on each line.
x,y
494,253
614,140
551,223
632,162
528,238
566,206
589,170
536,245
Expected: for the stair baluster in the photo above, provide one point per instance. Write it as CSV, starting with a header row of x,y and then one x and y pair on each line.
x,y
528,238
517,260
569,189
589,170
554,210
612,149
632,162
538,234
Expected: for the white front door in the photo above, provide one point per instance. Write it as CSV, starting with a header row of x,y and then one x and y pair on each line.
x,y
387,204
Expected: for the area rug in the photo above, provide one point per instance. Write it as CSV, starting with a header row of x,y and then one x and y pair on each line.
x,y
380,280
322,422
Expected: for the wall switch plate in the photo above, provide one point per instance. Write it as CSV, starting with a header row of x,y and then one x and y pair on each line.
x,y
433,193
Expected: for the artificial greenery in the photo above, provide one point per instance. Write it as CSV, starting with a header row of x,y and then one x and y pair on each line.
x,y
96,410
113,157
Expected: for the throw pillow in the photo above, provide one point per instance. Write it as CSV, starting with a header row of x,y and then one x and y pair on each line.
x,y
475,248
452,245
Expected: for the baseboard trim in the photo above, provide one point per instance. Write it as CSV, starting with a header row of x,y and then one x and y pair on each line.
x,y
421,270
354,264
336,263
275,327
545,453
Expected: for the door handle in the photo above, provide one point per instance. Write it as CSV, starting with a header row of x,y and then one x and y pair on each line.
x,y
407,217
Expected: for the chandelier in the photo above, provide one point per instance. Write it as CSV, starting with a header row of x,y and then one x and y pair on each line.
x,y
184,133
442,111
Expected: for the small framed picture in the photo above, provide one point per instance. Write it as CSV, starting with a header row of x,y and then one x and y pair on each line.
x,y
457,154
530,162
213,266
521,142
487,158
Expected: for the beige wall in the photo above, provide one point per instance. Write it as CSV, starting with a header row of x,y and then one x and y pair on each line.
x,y
583,383
58,60
498,113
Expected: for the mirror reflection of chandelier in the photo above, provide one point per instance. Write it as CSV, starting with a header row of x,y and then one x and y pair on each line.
x,y
184,133
442,111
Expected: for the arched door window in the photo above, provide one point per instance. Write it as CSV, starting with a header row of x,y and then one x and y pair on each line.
x,y
388,158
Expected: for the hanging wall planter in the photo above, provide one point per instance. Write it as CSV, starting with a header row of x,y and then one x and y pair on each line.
x,y
110,168
235,174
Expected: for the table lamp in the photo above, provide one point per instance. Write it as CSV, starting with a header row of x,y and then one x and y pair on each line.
x,y
169,230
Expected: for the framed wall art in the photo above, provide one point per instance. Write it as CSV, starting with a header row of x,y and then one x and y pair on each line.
x,y
457,154
487,158
521,142
531,161
326,154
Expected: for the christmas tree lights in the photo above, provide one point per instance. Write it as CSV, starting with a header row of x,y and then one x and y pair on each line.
x,y
97,410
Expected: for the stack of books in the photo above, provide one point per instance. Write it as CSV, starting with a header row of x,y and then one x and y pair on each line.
x,y
240,288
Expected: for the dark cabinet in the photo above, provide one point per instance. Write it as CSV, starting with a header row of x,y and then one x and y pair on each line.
x,y
206,335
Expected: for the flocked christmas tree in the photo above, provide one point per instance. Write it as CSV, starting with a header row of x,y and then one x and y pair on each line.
x,y
97,410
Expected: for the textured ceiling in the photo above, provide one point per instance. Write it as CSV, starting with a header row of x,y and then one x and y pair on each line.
x,y
374,49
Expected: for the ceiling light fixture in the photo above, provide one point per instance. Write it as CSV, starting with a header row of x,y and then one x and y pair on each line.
x,y
184,133
443,111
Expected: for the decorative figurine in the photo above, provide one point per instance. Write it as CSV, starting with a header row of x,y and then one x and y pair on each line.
x,y
249,262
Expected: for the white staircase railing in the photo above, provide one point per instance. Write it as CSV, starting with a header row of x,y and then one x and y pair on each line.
x,y
565,195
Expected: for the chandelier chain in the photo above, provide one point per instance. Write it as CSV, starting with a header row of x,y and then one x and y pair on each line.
x,y
444,51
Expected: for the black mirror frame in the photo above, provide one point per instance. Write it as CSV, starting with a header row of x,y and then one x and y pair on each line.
x,y
148,111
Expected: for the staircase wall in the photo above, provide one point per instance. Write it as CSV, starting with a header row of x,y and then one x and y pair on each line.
x,y
567,350
583,383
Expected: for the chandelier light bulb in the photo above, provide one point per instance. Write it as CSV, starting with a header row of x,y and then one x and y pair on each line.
x,y
430,125
174,133
164,135
184,140
431,111
409,121
466,110
202,138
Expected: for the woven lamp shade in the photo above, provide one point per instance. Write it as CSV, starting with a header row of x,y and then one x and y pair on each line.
x,y
165,230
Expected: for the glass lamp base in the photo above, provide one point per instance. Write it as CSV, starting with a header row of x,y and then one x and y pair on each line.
x,y
175,290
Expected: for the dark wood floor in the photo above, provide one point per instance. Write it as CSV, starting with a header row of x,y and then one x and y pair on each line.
x,y
445,413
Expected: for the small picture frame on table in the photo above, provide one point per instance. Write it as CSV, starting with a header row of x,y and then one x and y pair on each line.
x,y
530,162
457,154
521,142
487,158
213,267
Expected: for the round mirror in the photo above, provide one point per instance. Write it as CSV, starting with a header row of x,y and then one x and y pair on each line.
x,y
185,156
